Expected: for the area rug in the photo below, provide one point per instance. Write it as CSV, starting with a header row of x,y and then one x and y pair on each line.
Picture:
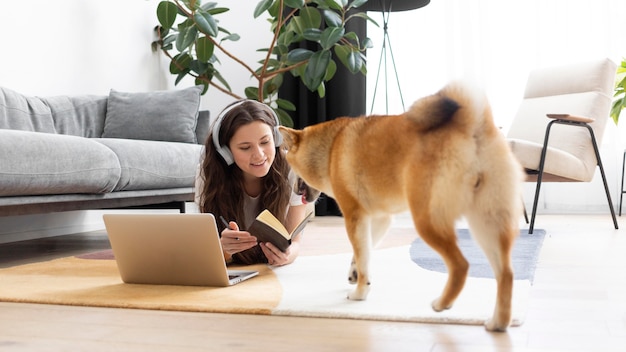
x,y
524,257
313,286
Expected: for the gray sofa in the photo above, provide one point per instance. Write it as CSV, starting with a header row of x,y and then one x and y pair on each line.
x,y
123,150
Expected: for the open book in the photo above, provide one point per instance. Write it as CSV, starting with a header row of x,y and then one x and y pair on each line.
x,y
266,228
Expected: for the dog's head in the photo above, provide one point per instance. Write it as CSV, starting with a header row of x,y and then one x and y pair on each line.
x,y
307,154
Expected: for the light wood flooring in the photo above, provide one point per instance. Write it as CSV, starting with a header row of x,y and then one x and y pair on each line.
x,y
578,303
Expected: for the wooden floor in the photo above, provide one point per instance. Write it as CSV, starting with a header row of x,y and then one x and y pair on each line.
x,y
578,303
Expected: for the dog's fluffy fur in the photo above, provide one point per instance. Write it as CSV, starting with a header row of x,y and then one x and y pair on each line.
x,y
442,159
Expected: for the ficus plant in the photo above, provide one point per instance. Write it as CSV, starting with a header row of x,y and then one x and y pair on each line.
x,y
619,93
189,34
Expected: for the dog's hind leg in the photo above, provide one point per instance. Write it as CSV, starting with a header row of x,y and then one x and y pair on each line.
x,y
443,241
496,240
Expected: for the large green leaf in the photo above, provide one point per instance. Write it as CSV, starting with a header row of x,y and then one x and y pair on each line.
x,y
187,34
312,34
330,36
351,59
298,55
309,18
206,23
285,104
204,49
261,7
166,13
180,63
332,18
316,70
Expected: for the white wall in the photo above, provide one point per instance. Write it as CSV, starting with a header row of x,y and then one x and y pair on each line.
x,y
89,47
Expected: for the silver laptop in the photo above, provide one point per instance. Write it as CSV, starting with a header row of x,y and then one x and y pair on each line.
x,y
170,249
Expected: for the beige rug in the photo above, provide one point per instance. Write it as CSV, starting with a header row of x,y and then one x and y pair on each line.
x,y
314,286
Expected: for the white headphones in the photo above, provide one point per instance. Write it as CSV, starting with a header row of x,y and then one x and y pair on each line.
x,y
223,150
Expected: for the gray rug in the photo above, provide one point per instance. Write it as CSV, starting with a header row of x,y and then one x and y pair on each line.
x,y
525,255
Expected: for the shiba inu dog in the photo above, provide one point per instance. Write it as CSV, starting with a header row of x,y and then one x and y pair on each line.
x,y
442,159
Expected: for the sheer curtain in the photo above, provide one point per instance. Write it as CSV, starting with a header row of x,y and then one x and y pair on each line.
x,y
495,43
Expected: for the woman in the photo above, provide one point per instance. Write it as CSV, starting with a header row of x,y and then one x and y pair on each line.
x,y
242,172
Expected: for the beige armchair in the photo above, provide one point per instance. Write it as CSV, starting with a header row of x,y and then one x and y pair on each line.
x,y
560,122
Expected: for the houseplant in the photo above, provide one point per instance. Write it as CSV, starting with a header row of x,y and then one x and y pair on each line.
x,y
190,36
620,92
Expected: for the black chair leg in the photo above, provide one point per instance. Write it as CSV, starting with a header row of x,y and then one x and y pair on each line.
x,y
606,186
542,162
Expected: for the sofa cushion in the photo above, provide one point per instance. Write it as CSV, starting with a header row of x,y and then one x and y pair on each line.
x,y
160,116
78,115
154,164
20,112
34,163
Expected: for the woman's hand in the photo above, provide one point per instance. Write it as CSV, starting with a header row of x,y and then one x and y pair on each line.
x,y
276,257
235,241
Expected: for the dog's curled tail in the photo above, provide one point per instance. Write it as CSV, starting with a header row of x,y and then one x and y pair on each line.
x,y
439,109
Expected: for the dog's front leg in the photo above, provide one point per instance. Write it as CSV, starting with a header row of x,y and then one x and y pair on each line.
x,y
358,228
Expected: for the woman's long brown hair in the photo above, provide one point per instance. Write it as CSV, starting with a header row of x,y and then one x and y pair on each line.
x,y
223,191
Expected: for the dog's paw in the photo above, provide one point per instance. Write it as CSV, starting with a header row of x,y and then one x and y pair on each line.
x,y
358,294
438,307
493,326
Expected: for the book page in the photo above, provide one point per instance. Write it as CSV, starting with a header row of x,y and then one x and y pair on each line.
x,y
269,219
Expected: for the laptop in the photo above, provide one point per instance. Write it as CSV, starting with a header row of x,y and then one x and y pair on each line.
x,y
170,249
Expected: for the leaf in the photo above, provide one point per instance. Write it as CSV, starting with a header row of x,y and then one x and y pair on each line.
x,y
316,69
166,13
285,119
198,67
285,105
309,18
298,55
330,36
206,23
330,71
312,34
204,49
180,77
357,3
261,7
332,19
330,5
186,36
180,63
201,82
220,78
351,59
294,4
251,92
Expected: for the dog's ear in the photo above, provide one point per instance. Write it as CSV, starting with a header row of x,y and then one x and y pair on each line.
x,y
291,137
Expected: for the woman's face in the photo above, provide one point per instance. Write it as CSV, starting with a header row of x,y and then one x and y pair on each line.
x,y
253,148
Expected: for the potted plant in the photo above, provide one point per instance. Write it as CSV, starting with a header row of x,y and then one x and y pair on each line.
x,y
620,92
190,36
